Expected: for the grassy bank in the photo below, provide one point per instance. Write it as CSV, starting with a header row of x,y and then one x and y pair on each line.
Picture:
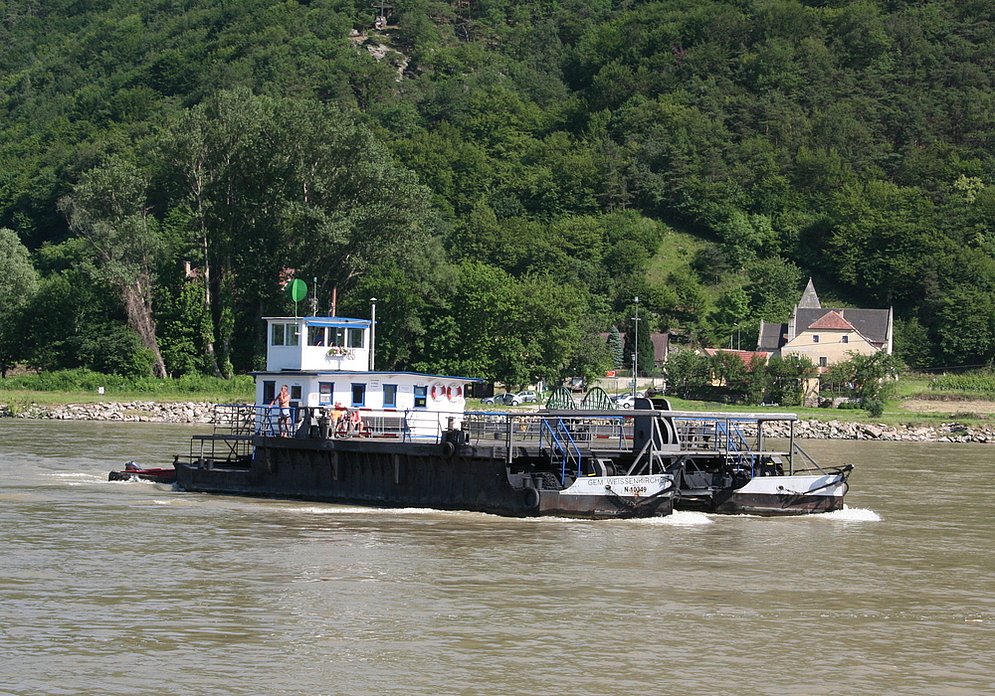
x,y
84,387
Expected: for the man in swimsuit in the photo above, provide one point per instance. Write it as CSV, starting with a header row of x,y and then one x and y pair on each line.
x,y
283,401
356,424
338,416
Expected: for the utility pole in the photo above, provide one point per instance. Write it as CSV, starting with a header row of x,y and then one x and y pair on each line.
x,y
373,333
635,349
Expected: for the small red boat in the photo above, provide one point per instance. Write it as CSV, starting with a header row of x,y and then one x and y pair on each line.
x,y
133,471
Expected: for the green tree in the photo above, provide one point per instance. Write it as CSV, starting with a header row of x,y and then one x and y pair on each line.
x,y
615,348
731,312
642,344
913,345
866,378
108,208
185,328
18,285
786,377
773,287
687,372
729,369
285,183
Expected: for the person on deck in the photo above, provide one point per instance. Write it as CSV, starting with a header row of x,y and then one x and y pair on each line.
x,y
282,400
356,424
338,416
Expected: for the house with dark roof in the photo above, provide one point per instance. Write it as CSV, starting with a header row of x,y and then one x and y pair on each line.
x,y
827,335
661,347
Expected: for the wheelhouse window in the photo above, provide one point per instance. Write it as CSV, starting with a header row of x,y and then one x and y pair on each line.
x,y
421,397
269,390
359,395
336,336
316,335
355,338
285,335
390,396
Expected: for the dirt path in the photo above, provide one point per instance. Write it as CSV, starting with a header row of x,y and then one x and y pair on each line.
x,y
962,406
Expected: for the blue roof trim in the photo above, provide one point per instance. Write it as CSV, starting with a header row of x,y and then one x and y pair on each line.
x,y
378,373
351,323
323,321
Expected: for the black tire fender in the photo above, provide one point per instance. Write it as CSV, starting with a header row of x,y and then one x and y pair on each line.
x,y
531,497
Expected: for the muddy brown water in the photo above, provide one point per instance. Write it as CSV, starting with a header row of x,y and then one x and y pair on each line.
x,y
134,588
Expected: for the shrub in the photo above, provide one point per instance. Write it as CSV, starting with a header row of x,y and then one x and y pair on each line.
x,y
874,406
83,380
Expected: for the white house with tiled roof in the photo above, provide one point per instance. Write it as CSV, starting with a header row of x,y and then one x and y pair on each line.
x,y
829,340
827,335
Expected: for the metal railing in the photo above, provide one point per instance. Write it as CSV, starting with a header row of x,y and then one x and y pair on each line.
x,y
569,436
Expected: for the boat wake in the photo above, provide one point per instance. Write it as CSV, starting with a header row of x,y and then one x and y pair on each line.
x,y
336,509
851,515
77,478
80,475
679,518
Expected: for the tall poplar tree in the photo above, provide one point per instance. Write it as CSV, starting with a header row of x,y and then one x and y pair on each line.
x,y
18,285
108,208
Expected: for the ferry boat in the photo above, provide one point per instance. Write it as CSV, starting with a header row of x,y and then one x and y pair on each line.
x,y
409,441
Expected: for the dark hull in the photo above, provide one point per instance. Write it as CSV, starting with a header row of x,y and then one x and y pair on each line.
x,y
153,475
729,502
394,474
779,505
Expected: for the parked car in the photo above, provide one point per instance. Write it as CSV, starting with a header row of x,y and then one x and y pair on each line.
x,y
505,399
524,397
577,384
625,401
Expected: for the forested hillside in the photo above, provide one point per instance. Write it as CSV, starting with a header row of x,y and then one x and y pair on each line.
x,y
505,176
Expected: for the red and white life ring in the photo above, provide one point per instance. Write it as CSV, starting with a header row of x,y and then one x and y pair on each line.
x,y
454,392
438,392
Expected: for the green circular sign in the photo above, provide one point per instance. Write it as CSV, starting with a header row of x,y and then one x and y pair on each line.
x,y
297,289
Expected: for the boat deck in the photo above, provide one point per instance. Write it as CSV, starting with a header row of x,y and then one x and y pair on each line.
x,y
570,436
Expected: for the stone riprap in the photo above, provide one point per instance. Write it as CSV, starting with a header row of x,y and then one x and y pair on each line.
x,y
202,412
130,411
909,432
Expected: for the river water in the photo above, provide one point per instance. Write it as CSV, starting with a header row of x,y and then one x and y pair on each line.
x,y
133,588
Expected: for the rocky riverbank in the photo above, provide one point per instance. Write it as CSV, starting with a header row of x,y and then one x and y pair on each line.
x,y
131,411
912,432
202,412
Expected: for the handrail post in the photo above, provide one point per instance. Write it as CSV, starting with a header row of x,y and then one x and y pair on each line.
x,y
791,449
